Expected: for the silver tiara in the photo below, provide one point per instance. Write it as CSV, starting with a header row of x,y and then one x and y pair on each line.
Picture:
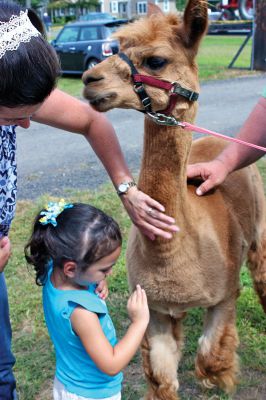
x,y
17,30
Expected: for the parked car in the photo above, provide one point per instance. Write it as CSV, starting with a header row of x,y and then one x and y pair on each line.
x,y
81,45
93,16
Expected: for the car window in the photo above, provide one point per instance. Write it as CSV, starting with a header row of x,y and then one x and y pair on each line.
x,y
109,30
95,16
68,34
89,33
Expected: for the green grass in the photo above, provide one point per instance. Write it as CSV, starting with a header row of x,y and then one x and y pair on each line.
x,y
72,85
215,54
34,368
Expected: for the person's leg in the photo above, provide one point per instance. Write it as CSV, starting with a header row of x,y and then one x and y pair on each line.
x,y
7,360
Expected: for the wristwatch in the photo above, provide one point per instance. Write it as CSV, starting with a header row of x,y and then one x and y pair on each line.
x,y
124,187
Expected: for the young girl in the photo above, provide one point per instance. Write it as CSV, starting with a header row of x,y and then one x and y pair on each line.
x,y
73,248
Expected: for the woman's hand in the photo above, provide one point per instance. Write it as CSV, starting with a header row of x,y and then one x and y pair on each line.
x,y
102,290
213,173
5,252
148,215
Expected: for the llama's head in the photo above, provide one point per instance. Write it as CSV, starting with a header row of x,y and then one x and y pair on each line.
x,y
162,46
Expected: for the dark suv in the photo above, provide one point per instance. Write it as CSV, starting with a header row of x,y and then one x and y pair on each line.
x,y
81,45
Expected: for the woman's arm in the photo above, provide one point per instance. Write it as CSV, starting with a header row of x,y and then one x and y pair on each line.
x,y
237,156
65,112
108,359
234,156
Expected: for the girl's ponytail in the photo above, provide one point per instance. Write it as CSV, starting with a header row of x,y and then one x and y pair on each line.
x,y
37,252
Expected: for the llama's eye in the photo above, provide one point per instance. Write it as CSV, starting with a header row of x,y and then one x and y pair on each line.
x,y
155,62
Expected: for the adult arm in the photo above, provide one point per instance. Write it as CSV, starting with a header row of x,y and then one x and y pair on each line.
x,y
65,112
234,156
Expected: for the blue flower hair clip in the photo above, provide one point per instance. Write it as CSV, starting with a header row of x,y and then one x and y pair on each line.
x,y
52,210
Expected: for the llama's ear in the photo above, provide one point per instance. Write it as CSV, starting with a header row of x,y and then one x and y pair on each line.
x,y
195,23
153,9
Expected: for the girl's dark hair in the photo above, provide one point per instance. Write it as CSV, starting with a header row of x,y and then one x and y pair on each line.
x,y
84,234
28,74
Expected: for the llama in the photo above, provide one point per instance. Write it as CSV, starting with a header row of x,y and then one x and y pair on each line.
x,y
199,266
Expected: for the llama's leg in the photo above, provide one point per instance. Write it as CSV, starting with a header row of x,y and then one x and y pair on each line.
x,y
257,266
161,352
217,361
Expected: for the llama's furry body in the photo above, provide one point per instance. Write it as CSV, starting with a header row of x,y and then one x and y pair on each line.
x,y
200,265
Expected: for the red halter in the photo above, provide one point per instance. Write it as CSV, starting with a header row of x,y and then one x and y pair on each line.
x,y
174,88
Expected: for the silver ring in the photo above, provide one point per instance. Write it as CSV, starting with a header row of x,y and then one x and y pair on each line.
x,y
150,211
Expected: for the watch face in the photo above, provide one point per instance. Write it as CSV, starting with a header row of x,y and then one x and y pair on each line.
x,y
123,187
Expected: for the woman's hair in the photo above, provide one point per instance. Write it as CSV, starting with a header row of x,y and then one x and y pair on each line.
x,y
84,234
28,74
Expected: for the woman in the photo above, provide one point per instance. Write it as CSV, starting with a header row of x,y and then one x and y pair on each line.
x,y
28,70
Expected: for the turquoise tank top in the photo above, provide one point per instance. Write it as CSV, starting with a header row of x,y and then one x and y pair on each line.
x,y
74,367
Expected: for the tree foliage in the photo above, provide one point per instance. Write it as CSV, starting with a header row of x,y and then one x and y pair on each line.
x,y
180,4
90,4
35,4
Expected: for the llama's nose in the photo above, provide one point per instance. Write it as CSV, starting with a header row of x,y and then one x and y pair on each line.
x,y
87,78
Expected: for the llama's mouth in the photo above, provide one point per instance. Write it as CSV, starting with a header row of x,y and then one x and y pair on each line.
x,y
101,102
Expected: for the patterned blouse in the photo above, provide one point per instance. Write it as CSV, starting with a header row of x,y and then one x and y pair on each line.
x,y
8,177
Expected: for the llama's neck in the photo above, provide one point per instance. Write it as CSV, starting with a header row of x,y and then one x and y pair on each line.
x,y
163,173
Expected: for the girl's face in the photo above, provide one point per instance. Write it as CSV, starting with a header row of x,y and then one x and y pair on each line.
x,y
99,270
18,116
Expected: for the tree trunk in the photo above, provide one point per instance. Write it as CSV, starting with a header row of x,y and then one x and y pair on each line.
x,y
259,38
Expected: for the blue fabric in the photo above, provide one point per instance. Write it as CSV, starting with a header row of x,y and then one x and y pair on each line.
x,y
74,368
8,177
264,92
7,360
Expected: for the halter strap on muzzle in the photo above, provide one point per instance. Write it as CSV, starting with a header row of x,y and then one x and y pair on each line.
x,y
174,88
138,87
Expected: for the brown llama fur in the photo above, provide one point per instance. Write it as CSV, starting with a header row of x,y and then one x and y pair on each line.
x,y
199,266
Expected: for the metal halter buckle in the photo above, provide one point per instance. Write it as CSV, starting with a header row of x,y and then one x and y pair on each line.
x,y
174,86
138,87
162,119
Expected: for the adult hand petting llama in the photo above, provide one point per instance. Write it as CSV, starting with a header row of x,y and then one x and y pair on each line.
x,y
148,215
213,173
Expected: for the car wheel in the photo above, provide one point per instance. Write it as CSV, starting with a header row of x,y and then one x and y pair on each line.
x,y
246,9
91,63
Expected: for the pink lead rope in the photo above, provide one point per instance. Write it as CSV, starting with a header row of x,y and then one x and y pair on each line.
x,y
195,128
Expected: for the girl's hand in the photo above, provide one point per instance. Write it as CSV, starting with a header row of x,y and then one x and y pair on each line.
x,y
5,252
102,290
213,173
137,306
148,215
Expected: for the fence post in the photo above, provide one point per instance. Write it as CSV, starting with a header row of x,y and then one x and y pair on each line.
x,y
259,36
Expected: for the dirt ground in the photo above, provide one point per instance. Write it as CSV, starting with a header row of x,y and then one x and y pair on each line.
x,y
135,387
251,387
